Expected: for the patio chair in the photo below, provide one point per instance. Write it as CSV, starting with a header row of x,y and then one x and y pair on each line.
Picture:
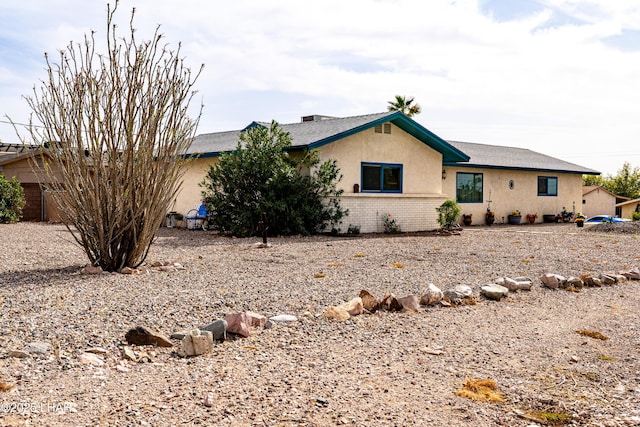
x,y
197,218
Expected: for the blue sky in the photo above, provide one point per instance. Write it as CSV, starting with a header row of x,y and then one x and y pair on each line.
x,y
555,76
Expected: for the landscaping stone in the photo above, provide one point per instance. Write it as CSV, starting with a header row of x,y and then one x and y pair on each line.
x,y
38,347
218,329
410,303
141,335
369,302
432,295
390,303
196,343
282,318
633,274
575,282
494,292
257,320
458,293
238,323
90,359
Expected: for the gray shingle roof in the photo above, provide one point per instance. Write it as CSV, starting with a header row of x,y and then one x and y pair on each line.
x,y
314,134
501,157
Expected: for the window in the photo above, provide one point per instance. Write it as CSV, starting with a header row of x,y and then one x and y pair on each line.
x,y
379,128
547,186
469,187
382,177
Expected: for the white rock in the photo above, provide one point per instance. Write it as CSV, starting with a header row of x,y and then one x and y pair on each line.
x,y
90,359
494,292
280,318
432,295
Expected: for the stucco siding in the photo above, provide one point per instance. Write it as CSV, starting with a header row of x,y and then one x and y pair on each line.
x,y
190,193
598,202
523,196
421,165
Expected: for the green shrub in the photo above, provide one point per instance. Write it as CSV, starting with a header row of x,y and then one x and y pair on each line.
x,y
260,177
447,213
635,216
11,200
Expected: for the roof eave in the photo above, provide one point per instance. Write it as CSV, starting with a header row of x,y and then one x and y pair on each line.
x,y
526,169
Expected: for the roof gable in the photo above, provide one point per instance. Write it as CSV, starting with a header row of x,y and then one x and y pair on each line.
x,y
314,134
502,157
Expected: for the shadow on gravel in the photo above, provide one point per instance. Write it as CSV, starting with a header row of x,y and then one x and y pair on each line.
x,y
37,277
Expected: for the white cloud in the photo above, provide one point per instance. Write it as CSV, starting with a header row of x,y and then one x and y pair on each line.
x,y
546,80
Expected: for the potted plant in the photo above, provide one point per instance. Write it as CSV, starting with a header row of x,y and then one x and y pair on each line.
x,y
580,220
532,218
489,217
515,217
466,219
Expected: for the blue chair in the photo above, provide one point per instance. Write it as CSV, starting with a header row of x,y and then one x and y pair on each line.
x,y
197,218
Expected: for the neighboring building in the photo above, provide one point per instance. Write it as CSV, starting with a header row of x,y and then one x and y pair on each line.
x,y
597,200
628,207
15,161
392,164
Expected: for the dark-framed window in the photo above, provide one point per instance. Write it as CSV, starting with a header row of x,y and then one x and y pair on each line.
x,y
469,187
547,186
381,177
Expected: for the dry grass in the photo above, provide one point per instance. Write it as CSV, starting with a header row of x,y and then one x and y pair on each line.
x,y
481,390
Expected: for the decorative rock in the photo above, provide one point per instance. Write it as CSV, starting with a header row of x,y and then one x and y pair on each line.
x,y
390,303
607,279
494,292
38,348
550,280
257,320
511,284
128,353
410,303
90,359
354,306
575,282
620,278
144,336
217,328
128,270
633,274
281,318
238,323
591,281
369,302
458,293
433,295
96,350
195,343
525,285
208,400
19,354
90,269
337,313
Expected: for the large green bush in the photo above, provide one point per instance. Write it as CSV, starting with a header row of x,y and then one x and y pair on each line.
x,y
297,195
11,200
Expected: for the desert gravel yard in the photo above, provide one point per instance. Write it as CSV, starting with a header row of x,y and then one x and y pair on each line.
x,y
381,369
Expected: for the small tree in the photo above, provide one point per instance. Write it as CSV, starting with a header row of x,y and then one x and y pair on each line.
x,y
260,178
114,127
448,212
11,200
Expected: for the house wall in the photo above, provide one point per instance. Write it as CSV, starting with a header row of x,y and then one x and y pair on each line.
x,y
523,197
421,165
190,193
411,212
39,206
629,208
598,202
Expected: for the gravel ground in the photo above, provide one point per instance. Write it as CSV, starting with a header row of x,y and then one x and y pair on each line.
x,y
382,369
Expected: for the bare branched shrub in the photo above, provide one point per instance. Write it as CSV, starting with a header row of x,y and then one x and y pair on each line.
x,y
113,128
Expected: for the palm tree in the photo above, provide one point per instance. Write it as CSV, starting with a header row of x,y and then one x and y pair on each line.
x,y
403,105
